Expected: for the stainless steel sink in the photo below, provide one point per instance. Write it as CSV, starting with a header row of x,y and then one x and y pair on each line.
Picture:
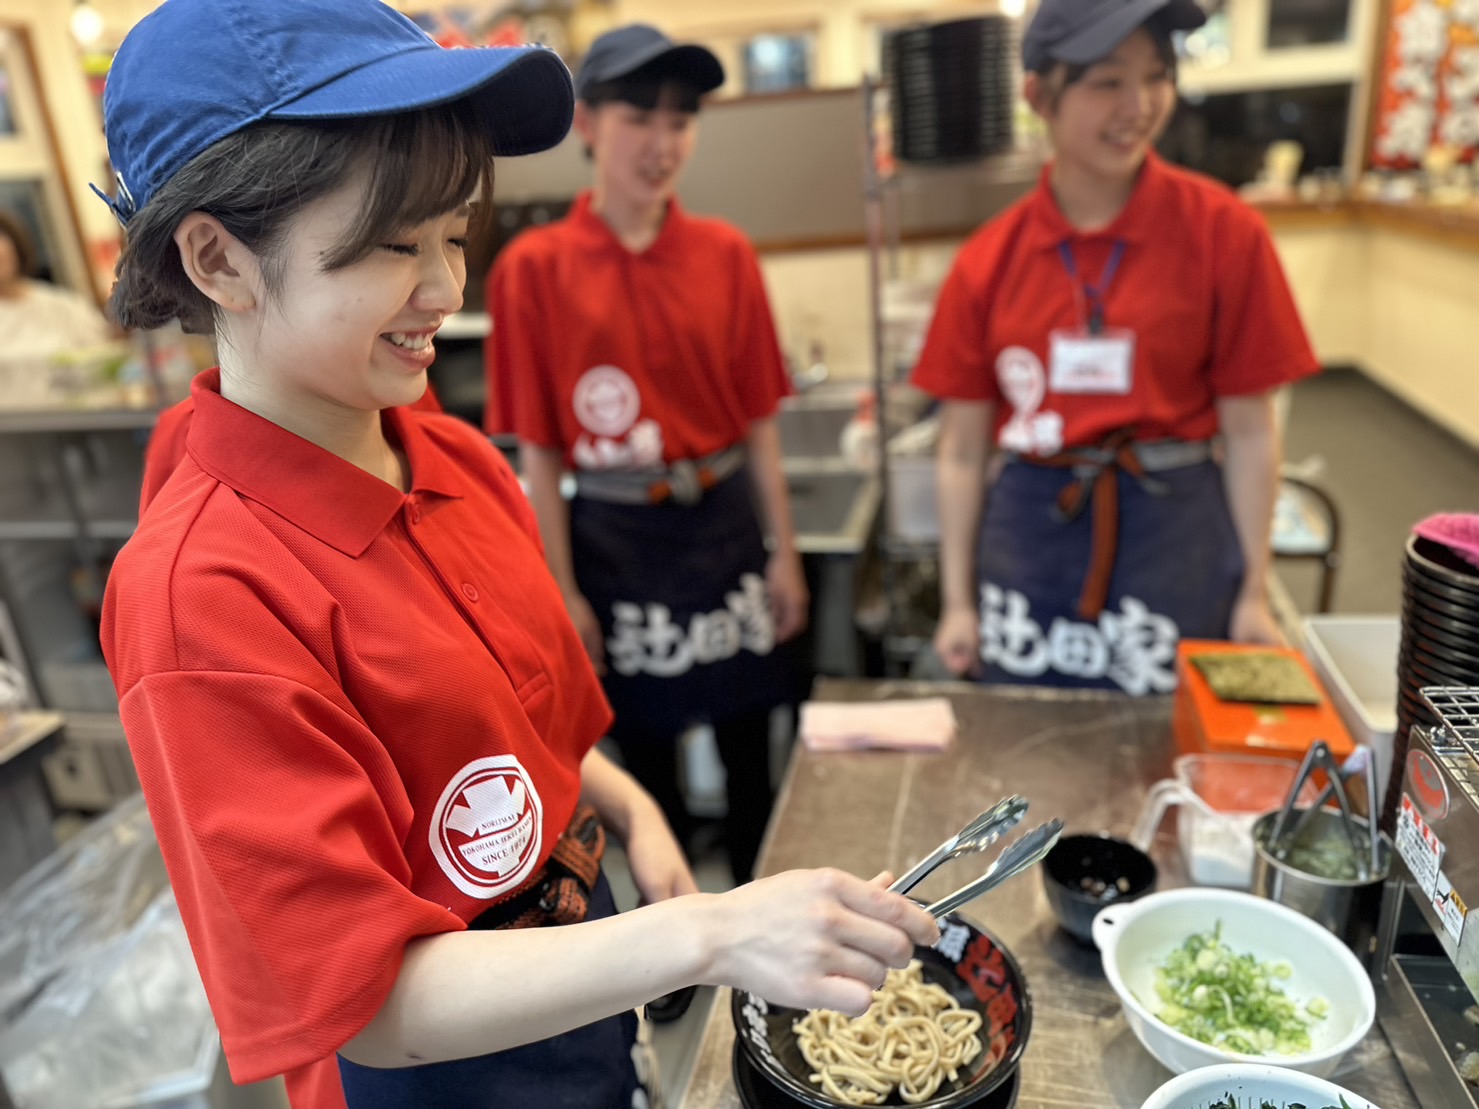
x,y
833,508
813,430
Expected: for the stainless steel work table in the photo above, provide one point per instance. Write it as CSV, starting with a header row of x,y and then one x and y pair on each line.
x,y
1088,758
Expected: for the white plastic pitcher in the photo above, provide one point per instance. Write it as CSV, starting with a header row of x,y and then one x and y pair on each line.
x,y
1217,842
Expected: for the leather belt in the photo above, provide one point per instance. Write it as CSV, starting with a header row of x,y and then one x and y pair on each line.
x,y
684,482
1096,482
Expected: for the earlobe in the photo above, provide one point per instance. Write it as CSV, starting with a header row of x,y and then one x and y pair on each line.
x,y
217,262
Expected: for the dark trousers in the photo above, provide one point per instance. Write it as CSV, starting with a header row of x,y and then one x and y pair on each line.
x,y
744,748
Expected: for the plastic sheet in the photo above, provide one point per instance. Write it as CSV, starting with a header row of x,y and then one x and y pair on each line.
x,y
101,1005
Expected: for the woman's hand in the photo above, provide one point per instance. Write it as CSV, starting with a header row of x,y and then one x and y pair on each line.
x,y
785,584
958,640
817,939
588,627
1253,622
659,867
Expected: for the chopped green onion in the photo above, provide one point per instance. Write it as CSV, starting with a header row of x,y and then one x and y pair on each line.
x,y
1231,1000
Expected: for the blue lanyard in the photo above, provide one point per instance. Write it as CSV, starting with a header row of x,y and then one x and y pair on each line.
x,y
1092,295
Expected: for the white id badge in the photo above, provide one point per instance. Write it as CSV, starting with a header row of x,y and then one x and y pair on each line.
x,y
1085,363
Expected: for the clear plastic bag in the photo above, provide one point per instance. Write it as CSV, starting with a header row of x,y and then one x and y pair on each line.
x,y
102,1004
80,897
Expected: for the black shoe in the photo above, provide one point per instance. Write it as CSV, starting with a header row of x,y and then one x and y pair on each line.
x,y
670,1006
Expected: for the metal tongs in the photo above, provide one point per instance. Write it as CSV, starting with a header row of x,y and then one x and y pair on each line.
x,y
980,833
1021,853
1366,859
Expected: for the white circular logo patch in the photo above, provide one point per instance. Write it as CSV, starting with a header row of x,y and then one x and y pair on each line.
x,y
487,827
606,401
1022,379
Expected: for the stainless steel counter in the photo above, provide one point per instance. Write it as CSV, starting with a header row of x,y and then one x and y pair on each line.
x,y
1085,757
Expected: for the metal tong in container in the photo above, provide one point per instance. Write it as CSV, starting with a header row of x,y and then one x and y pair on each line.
x,y
1361,761
980,833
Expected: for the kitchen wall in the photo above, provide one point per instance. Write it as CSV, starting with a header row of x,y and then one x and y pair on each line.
x,y
1398,306
846,31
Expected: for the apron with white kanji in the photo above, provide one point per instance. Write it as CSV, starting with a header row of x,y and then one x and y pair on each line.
x,y
680,592
1063,606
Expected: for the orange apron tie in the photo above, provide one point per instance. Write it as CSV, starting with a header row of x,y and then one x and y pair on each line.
x,y
1096,484
561,892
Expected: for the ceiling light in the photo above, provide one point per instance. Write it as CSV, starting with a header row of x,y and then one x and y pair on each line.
x,y
87,24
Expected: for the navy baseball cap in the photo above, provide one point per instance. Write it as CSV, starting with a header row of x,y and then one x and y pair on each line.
x,y
195,71
1081,32
628,49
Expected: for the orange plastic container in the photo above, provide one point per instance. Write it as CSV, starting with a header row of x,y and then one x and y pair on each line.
x,y
1204,723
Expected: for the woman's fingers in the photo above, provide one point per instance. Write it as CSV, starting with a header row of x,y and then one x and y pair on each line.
x,y
876,904
846,995
799,938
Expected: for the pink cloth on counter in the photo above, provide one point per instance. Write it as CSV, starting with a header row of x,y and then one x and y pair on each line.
x,y
926,724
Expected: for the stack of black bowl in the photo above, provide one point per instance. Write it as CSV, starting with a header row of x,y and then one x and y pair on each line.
x,y
1440,642
952,89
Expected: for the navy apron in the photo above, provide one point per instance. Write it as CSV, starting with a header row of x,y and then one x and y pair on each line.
x,y
1177,572
587,1068
680,594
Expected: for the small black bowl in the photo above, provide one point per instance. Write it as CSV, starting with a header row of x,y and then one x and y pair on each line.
x,y
968,962
1084,873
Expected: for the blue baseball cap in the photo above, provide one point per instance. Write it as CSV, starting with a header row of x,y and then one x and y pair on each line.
x,y
195,71
1081,32
635,46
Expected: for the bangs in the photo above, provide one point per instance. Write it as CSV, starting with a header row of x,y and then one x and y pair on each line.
x,y
421,165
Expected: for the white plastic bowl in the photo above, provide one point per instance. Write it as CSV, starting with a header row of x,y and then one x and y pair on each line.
x,y
1250,1083
1135,938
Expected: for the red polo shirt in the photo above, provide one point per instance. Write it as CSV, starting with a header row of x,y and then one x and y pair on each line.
x,y
358,715
623,359
167,442
1198,283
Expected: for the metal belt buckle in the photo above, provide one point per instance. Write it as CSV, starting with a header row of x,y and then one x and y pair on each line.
x,y
684,483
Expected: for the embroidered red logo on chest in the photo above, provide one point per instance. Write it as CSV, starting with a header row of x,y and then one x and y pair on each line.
x,y
488,827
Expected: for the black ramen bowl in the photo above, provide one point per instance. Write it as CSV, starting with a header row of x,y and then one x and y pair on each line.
x,y
1083,874
971,965
757,1092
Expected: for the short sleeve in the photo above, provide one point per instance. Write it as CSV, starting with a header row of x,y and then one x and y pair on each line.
x,y
956,362
520,384
1259,341
299,906
758,361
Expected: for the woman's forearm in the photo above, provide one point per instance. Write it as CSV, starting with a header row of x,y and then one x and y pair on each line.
x,y
463,994
1251,477
612,792
960,467
804,939
768,475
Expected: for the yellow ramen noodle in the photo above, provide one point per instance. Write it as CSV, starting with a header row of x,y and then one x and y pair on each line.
x,y
912,1038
